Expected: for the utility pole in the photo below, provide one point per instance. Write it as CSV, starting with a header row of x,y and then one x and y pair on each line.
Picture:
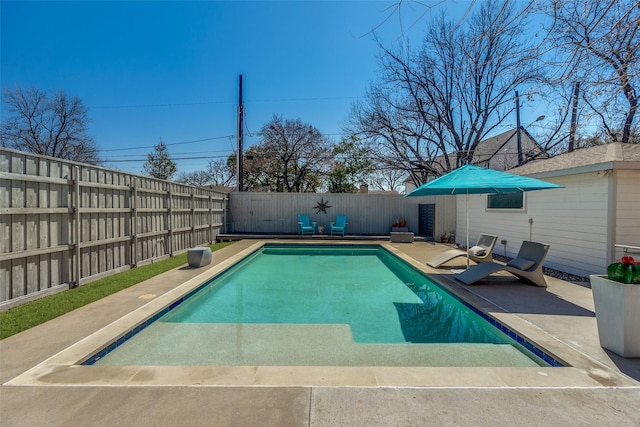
x,y
240,155
574,116
519,134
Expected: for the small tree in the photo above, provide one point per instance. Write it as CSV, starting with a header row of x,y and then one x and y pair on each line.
x,y
159,163
352,166
51,125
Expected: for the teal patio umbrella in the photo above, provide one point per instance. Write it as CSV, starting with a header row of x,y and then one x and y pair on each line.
x,y
471,179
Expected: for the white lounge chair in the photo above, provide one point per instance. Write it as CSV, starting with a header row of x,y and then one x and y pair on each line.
x,y
482,252
527,266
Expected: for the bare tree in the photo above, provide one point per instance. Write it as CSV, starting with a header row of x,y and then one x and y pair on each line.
x,y
555,99
218,172
222,172
388,179
197,178
399,138
435,104
259,170
55,125
292,156
600,44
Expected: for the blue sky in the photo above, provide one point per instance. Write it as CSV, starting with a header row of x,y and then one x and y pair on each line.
x,y
150,70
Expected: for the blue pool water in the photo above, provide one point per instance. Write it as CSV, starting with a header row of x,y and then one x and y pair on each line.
x,y
319,305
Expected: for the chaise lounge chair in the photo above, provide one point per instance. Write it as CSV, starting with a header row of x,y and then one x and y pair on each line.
x,y
527,266
306,226
482,252
339,226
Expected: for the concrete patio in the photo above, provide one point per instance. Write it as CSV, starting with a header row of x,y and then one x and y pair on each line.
x,y
598,389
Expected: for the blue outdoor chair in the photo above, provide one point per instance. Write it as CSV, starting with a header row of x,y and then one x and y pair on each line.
x,y
306,226
339,226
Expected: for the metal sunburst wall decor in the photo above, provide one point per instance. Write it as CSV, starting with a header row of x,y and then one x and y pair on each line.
x,y
322,206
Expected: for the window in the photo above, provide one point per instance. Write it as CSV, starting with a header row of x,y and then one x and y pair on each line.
x,y
506,201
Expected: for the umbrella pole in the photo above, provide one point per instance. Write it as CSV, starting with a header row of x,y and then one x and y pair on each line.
x,y
467,209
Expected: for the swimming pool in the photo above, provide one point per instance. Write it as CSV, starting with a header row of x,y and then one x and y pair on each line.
x,y
292,305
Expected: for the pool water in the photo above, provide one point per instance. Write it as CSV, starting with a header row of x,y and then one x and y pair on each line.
x,y
314,305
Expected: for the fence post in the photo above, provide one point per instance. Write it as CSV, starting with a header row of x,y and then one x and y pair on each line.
x,y
228,220
170,222
77,229
193,219
210,218
133,204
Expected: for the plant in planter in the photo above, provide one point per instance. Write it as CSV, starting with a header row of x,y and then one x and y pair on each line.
x,y
399,225
616,297
625,271
444,238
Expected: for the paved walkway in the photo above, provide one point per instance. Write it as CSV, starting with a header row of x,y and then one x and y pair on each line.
x,y
600,388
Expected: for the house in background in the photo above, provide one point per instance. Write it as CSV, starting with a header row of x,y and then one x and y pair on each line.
x,y
499,152
598,208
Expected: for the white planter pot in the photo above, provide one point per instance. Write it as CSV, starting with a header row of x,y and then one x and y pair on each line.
x,y
618,315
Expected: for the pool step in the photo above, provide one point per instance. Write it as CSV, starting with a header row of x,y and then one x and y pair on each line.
x,y
294,345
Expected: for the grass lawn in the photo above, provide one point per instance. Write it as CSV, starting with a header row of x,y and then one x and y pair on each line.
x,y
33,313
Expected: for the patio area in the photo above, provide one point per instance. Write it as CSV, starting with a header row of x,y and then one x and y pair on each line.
x,y
599,388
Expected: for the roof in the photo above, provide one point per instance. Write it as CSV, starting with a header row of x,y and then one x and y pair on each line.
x,y
220,188
488,148
604,155
384,192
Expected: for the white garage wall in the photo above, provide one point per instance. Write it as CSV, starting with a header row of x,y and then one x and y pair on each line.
x,y
573,220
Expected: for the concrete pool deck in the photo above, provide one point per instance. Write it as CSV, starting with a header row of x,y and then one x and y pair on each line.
x,y
599,389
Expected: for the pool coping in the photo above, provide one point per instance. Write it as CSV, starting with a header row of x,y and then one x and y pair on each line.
x,y
62,369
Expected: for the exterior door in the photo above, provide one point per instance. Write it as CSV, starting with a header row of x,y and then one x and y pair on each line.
x,y
426,220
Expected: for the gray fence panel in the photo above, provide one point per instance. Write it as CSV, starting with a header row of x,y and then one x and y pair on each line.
x,y
65,223
367,214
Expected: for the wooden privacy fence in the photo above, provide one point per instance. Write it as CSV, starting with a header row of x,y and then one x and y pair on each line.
x,y
65,224
367,214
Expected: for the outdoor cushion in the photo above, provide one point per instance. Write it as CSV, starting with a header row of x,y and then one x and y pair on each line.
x,y
477,251
486,243
521,263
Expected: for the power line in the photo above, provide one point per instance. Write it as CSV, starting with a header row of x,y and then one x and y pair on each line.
x,y
177,104
172,143
179,153
173,158
327,98
187,104
230,137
